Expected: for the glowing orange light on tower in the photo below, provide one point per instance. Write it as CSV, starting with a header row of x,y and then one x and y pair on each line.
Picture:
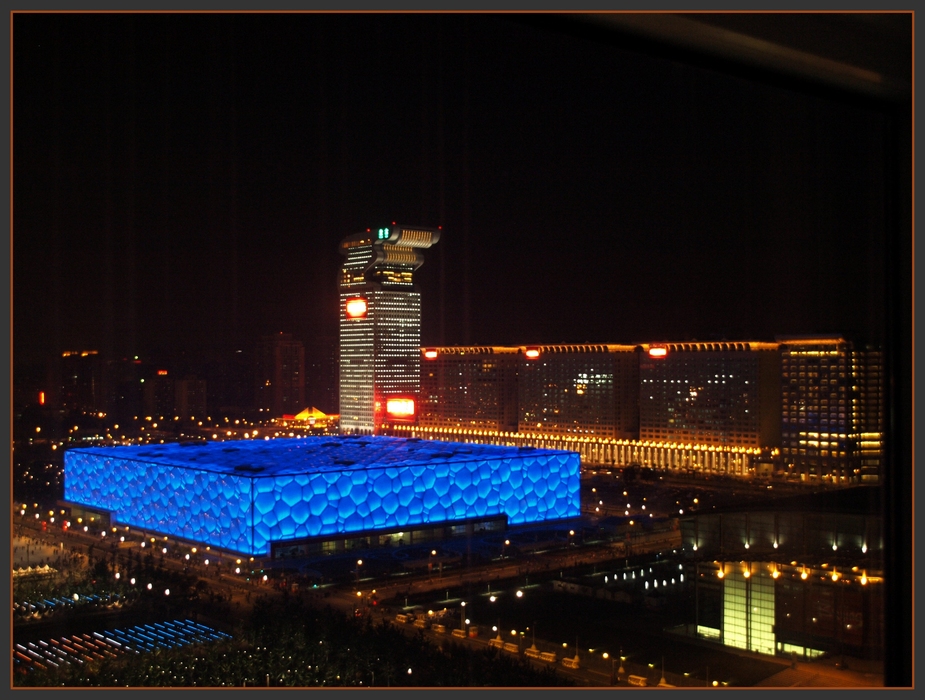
x,y
356,307
162,372
430,354
657,351
400,407
41,398
532,353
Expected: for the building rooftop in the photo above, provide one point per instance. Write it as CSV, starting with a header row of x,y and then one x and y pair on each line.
x,y
309,454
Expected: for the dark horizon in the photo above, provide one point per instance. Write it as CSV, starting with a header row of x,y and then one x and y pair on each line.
x,y
181,184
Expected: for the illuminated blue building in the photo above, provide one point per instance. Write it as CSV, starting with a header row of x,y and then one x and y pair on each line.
x,y
257,496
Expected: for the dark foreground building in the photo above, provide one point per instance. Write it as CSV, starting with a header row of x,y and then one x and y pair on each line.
x,y
804,576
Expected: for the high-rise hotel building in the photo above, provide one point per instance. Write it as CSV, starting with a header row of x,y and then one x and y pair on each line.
x,y
470,387
809,408
710,393
579,390
555,390
380,326
832,409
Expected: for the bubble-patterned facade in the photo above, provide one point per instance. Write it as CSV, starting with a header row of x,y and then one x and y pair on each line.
x,y
243,495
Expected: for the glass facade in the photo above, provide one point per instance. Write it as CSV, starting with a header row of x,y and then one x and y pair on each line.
x,y
748,608
244,495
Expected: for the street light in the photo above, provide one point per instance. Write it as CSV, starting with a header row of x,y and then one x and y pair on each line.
x,y
359,564
613,673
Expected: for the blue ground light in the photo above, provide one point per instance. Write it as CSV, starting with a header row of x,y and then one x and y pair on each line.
x,y
243,495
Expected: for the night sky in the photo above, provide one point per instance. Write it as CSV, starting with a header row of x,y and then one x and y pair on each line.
x,y
182,182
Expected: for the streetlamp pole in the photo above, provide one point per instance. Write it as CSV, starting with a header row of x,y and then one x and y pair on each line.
x,y
359,564
613,673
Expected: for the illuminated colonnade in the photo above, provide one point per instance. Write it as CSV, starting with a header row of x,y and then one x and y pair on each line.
x,y
668,456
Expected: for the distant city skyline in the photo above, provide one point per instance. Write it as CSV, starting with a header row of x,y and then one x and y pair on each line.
x,y
181,183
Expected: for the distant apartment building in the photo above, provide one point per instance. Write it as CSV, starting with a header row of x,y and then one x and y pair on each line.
x,y
280,375
124,389
832,409
710,393
159,395
469,387
231,382
321,375
80,382
190,399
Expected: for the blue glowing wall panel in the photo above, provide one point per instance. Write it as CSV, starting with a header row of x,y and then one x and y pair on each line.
x,y
243,495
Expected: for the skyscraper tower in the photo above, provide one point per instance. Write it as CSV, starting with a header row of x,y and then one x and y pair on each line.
x,y
380,326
